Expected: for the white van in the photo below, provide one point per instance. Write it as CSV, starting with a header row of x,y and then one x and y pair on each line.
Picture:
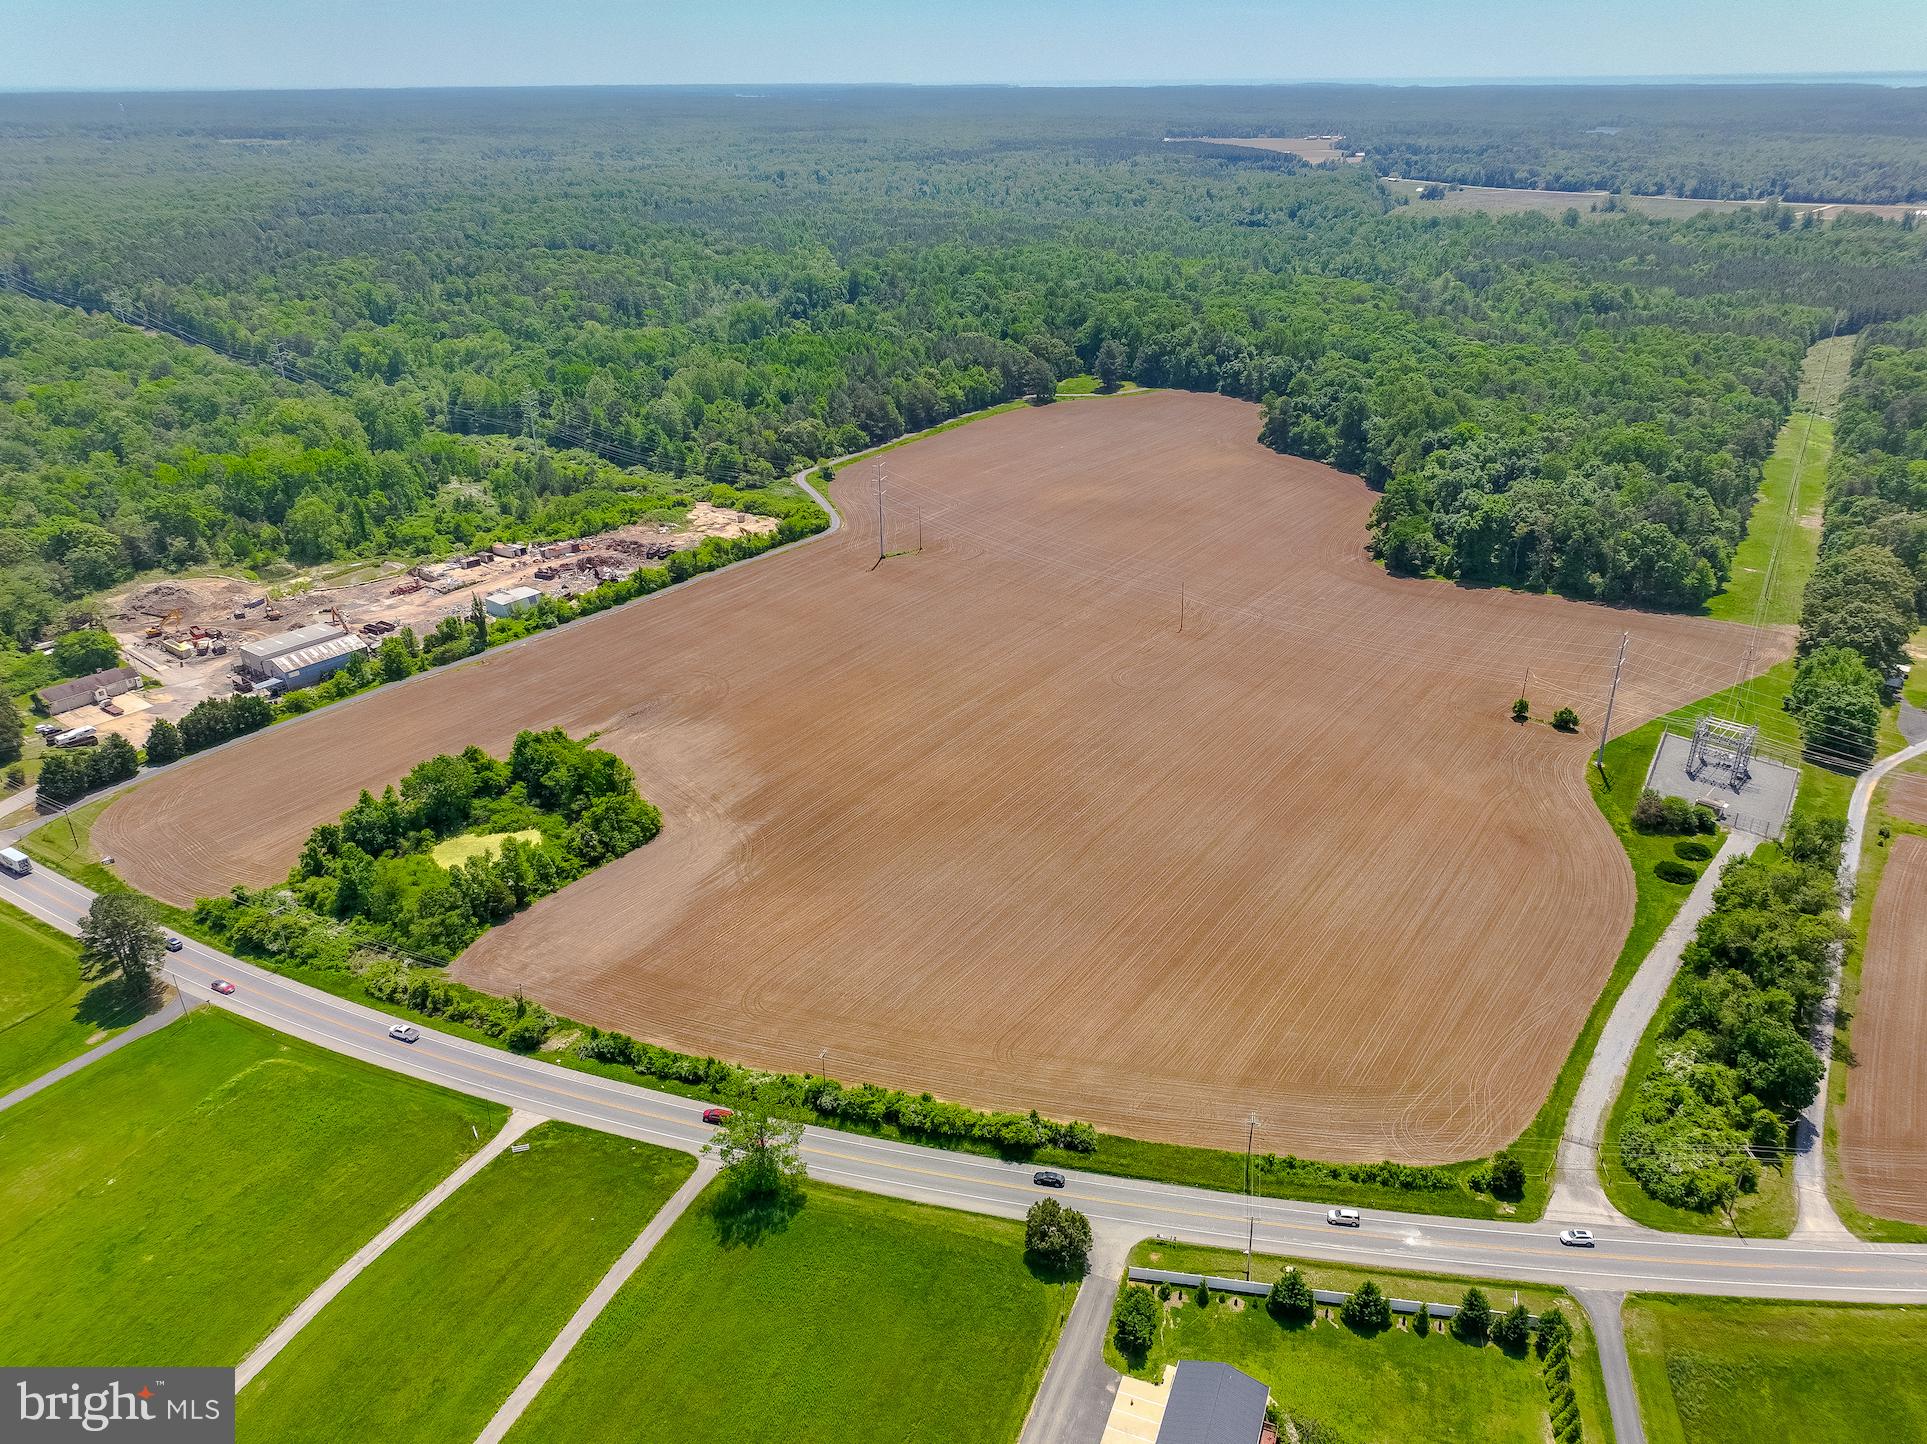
x,y
13,860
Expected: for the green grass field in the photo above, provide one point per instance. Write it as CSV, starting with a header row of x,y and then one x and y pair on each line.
x,y
1773,561
172,1202
1786,518
47,1014
857,1319
455,851
463,1306
1710,1371
1399,1385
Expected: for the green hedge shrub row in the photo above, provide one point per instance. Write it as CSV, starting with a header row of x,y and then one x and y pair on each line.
x,y
865,1105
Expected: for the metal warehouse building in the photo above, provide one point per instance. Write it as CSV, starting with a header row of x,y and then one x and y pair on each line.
x,y
302,657
510,600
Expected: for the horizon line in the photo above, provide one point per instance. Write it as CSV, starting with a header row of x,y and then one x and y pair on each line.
x,y
1873,79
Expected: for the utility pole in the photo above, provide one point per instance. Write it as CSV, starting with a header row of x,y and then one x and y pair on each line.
x,y
881,478
1180,606
1607,726
1251,1219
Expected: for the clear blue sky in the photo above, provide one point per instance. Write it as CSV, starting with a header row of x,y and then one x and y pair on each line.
x,y
141,44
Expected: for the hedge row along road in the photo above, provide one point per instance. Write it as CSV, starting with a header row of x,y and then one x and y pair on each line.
x,y
1007,833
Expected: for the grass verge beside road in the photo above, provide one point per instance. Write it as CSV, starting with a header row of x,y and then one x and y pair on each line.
x,y
852,1319
1710,1371
1395,1385
172,1202
464,1304
48,1014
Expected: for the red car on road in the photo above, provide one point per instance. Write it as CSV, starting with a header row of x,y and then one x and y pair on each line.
x,y
718,1115
223,986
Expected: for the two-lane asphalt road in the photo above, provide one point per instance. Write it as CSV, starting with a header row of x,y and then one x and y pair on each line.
x,y
1627,1257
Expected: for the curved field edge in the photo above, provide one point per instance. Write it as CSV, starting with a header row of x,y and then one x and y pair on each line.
x,y
1708,1370
64,845
1874,853
1588,1380
1123,1156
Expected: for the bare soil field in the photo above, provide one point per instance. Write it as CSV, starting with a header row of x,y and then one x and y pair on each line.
x,y
1883,1128
986,820
1312,148
1502,200
1907,796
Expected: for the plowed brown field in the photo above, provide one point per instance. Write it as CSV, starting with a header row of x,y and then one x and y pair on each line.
x,y
1907,797
983,820
1883,1128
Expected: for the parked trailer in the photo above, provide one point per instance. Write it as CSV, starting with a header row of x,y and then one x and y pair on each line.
x,y
76,737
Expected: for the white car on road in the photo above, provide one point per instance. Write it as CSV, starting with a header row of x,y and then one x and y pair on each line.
x,y
1576,1237
404,1032
1343,1217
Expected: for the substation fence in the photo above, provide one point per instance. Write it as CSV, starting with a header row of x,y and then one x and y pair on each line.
x,y
1331,1298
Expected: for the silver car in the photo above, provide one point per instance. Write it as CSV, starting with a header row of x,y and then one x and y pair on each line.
x,y
404,1032
1343,1217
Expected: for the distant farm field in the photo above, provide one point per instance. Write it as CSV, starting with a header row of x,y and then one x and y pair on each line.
x,y
171,1203
1002,828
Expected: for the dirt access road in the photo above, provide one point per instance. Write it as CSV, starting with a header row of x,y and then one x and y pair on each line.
x,y
983,820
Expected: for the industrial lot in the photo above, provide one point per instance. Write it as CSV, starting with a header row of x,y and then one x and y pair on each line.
x,y
198,637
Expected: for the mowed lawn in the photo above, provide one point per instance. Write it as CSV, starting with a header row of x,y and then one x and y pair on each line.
x,y
47,1014
463,1305
858,1319
1714,1370
454,851
172,1202
1393,1386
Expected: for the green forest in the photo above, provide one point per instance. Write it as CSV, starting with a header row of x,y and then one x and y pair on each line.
x,y
407,322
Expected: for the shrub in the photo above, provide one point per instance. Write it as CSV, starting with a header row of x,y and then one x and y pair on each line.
x,y
1512,1330
1290,1297
1566,720
1135,1323
1473,1321
1367,1310
1653,813
1508,1175
1553,1331
1202,1298
1666,870
1521,709
1692,850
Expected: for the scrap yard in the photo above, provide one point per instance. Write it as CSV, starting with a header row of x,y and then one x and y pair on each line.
x,y
198,637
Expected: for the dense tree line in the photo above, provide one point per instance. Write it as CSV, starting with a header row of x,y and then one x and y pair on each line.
x,y
684,284
1869,591
1736,1060
1718,142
